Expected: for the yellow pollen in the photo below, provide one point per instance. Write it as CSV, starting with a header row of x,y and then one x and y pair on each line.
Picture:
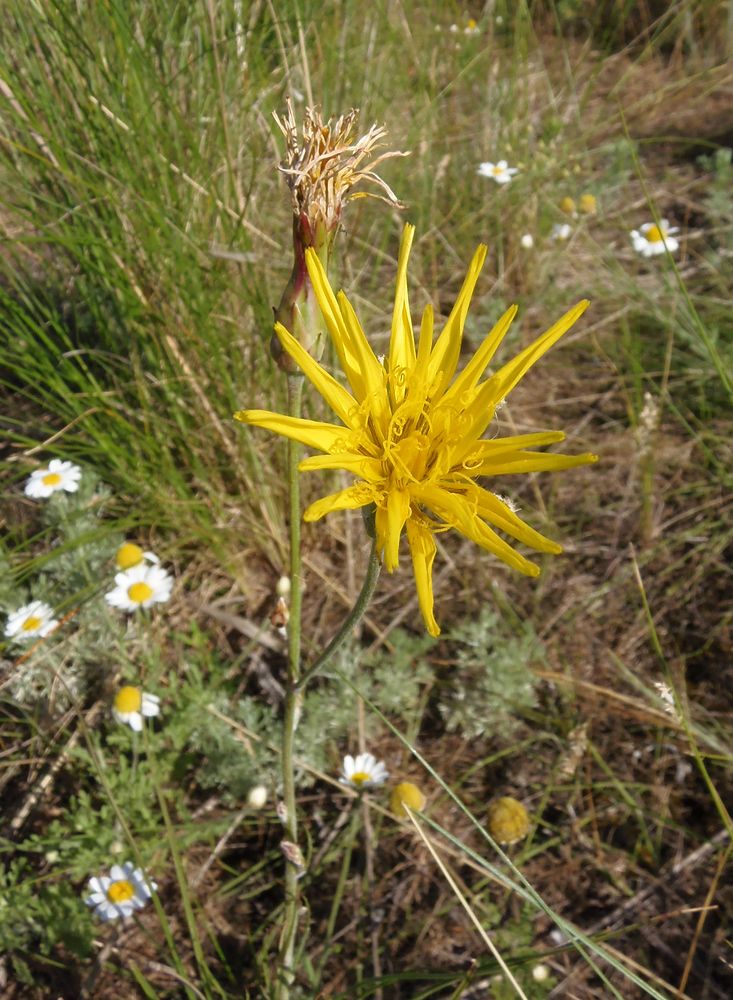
x,y
654,234
51,479
128,699
498,170
139,592
120,892
129,555
359,777
31,624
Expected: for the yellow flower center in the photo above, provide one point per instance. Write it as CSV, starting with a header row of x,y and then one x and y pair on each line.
x,y
129,555
359,777
406,794
470,24
51,479
120,892
498,170
655,235
567,205
31,624
128,699
139,592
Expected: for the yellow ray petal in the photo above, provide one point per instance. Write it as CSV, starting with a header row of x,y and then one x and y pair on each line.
x,y
447,349
422,549
492,508
402,342
532,461
371,371
460,514
332,316
360,465
507,377
353,497
470,454
469,377
323,437
341,402
391,523
425,345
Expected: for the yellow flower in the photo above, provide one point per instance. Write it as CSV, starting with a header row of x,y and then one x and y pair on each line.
x,y
567,205
588,204
406,794
507,820
412,433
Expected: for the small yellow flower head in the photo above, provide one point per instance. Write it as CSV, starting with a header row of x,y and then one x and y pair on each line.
x,y
588,204
129,555
406,794
321,166
507,820
567,205
411,430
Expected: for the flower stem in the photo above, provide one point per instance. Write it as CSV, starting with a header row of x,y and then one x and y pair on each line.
x,y
286,972
353,618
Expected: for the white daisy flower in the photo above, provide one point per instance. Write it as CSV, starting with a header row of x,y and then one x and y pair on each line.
x,y
527,241
32,621
140,587
364,772
131,705
561,231
120,893
129,554
651,239
499,172
57,476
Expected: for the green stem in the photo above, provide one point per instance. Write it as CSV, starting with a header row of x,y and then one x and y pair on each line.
x,y
286,972
348,848
354,616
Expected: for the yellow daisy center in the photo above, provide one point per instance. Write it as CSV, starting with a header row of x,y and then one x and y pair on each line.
x,y
359,777
655,235
31,624
567,205
470,24
128,699
51,479
129,555
139,592
120,892
498,170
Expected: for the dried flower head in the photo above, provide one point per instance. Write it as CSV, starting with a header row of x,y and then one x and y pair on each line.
x,y
325,162
322,165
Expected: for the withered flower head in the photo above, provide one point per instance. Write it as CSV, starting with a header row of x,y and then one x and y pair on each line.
x,y
322,166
